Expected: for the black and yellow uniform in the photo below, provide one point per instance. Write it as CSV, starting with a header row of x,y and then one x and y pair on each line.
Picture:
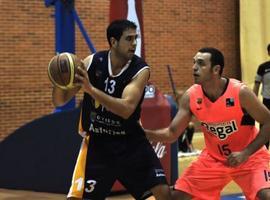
x,y
117,147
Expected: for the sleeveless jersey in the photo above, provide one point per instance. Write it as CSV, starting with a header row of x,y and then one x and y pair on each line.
x,y
95,118
226,126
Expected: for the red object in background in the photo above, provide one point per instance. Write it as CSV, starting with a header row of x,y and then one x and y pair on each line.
x,y
119,10
156,113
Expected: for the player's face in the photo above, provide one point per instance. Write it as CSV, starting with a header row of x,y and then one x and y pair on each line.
x,y
126,46
202,70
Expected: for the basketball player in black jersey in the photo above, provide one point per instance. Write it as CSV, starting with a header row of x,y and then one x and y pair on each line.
x,y
113,82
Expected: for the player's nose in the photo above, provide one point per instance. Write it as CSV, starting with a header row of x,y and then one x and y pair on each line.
x,y
195,67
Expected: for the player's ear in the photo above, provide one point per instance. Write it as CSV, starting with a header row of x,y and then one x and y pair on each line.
x,y
216,69
113,42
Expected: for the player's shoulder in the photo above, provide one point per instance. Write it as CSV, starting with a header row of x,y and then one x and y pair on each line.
x,y
264,65
185,100
100,56
194,91
235,86
138,61
246,97
102,53
235,82
245,92
89,58
88,61
195,88
96,57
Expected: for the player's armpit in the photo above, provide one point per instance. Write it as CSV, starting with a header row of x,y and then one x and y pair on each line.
x,y
254,106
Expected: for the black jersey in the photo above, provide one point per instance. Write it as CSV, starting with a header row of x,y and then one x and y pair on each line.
x,y
263,76
96,119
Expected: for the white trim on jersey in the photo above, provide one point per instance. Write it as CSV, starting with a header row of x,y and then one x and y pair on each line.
x,y
110,66
90,57
146,67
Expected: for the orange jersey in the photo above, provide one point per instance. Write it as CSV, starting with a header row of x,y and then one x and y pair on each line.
x,y
226,126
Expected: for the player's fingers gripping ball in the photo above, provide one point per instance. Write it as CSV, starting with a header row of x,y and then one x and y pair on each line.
x,y
62,69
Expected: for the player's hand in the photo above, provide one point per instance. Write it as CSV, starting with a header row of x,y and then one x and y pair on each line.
x,y
83,79
236,158
150,135
147,134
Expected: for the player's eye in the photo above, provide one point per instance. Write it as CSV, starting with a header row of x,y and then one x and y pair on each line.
x,y
131,38
199,62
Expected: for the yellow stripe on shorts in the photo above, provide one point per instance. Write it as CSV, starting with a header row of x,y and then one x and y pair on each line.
x,y
77,185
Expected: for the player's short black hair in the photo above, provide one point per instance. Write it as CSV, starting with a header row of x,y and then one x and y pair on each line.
x,y
117,27
217,57
268,47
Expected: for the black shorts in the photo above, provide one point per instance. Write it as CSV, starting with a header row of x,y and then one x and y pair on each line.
x,y
129,159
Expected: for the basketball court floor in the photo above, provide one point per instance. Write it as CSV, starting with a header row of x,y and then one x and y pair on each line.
x,y
230,192
30,195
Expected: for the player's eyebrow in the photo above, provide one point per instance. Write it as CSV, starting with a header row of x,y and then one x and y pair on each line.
x,y
198,60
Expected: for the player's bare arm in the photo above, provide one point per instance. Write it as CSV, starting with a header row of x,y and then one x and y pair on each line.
x,y
123,106
177,126
60,96
261,114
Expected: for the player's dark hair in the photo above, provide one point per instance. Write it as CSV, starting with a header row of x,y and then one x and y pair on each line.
x,y
268,47
217,57
117,27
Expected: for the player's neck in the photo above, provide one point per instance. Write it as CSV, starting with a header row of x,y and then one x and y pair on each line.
x,y
215,88
117,62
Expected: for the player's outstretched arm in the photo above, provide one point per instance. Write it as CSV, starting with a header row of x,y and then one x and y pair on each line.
x,y
177,126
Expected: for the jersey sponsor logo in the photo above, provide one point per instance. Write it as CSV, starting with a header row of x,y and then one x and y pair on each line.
x,y
97,118
266,175
107,121
105,131
159,172
229,102
198,105
199,100
221,130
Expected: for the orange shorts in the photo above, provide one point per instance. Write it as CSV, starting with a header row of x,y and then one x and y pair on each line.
x,y
206,177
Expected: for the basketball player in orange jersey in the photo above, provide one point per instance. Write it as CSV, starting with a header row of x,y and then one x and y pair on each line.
x,y
115,146
234,148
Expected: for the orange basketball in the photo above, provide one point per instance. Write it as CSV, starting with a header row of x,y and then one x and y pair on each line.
x,y
62,69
